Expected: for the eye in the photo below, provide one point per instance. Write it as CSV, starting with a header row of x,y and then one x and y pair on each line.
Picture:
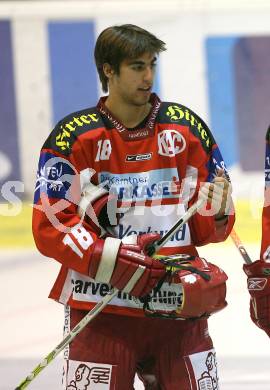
x,y
138,68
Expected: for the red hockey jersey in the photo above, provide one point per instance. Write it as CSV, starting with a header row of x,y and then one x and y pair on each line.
x,y
155,170
265,247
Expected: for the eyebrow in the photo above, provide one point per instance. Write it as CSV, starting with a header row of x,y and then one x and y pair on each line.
x,y
140,62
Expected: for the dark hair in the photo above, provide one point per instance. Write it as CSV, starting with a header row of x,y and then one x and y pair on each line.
x,y
118,43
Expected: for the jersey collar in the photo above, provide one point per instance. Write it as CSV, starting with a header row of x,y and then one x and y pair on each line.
x,y
139,133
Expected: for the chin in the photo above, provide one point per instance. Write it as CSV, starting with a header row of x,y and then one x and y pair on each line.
x,y
141,101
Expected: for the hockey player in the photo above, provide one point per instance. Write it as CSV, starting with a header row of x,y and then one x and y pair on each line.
x,y
259,272
146,160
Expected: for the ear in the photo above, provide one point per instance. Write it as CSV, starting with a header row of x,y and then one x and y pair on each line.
x,y
108,70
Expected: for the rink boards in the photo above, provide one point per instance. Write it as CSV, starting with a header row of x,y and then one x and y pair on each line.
x,y
15,231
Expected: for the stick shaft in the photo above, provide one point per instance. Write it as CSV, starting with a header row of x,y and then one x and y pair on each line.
x,y
191,211
240,247
73,333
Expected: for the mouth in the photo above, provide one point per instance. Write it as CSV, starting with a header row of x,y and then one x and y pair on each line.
x,y
145,89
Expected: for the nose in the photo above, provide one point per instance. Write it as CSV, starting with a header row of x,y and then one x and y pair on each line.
x,y
149,74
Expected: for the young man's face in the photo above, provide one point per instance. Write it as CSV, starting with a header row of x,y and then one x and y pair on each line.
x,y
134,82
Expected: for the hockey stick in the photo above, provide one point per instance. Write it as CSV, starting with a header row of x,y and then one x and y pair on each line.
x,y
240,247
67,340
104,302
191,211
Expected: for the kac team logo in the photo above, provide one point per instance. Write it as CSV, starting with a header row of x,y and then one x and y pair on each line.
x,y
170,143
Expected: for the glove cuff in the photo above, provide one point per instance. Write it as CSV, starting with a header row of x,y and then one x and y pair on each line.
x,y
105,259
257,268
90,195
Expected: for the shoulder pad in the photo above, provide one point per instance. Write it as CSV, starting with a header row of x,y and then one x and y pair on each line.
x,y
69,128
178,113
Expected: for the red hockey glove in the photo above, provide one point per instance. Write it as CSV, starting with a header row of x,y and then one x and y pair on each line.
x,y
258,283
126,266
203,297
93,207
196,288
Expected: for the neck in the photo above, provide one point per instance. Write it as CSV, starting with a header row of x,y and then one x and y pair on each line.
x,y
128,114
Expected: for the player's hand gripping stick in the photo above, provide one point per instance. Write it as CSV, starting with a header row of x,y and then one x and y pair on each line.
x,y
258,283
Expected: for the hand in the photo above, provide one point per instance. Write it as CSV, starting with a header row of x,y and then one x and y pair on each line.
x,y
199,288
96,208
218,194
258,283
126,266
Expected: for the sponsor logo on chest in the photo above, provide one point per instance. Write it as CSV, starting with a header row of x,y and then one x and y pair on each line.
x,y
138,157
153,184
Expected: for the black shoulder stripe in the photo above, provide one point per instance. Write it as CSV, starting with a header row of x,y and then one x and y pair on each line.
x,y
268,135
68,129
182,115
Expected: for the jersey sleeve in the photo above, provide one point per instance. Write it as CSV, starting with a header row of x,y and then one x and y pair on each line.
x,y
265,245
58,230
205,155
